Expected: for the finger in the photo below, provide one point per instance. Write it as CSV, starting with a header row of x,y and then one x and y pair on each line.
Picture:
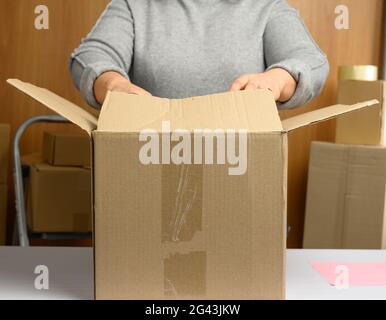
x,y
239,83
251,86
275,92
262,86
139,91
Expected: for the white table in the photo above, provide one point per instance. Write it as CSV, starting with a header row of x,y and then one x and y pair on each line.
x,y
71,273
304,283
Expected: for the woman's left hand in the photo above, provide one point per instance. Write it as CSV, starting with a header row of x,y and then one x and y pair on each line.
x,y
279,81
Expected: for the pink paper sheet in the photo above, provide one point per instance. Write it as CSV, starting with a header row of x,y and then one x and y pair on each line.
x,y
358,274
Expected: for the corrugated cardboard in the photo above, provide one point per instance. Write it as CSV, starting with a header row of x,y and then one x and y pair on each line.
x,y
346,197
59,199
4,149
187,231
66,149
365,127
3,213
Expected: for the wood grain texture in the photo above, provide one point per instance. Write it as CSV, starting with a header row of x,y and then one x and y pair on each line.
x,y
360,44
41,57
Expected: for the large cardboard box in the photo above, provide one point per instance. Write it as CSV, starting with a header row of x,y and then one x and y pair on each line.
x,y
365,127
58,199
66,149
3,213
4,150
189,194
346,191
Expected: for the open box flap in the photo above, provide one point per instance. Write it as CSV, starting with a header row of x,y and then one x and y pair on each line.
x,y
68,110
323,114
253,110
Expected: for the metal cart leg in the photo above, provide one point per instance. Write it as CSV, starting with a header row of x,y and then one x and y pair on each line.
x,y
21,217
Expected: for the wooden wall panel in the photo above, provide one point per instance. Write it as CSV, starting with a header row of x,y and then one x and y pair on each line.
x,y
41,56
360,44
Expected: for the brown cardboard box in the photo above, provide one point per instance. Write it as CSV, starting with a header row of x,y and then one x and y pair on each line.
x,y
208,231
66,149
365,127
3,213
345,206
4,149
58,199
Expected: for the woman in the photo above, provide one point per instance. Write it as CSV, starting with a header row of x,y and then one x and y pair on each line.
x,y
182,48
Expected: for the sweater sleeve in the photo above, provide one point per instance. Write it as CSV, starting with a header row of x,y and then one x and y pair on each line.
x,y
108,47
289,45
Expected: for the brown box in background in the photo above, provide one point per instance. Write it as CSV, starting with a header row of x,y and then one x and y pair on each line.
x,y
365,127
3,213
59,199
66,149
346,191
192,230
4,149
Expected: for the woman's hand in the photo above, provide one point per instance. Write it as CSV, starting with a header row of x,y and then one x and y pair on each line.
x,y
278,80
113,81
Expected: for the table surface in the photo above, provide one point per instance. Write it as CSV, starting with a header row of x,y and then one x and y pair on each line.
x,y
71,273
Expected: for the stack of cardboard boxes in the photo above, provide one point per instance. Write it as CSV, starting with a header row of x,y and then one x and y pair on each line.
x,y
4,151
59,185
345,206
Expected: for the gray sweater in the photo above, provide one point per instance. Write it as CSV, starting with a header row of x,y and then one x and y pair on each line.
x,y
183,48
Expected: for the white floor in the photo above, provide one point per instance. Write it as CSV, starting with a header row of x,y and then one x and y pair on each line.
x,y
71,273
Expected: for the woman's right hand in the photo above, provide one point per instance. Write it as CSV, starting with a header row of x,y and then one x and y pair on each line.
x,y
114,81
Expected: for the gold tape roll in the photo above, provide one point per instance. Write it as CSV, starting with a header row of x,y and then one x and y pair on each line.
x,y
364,73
